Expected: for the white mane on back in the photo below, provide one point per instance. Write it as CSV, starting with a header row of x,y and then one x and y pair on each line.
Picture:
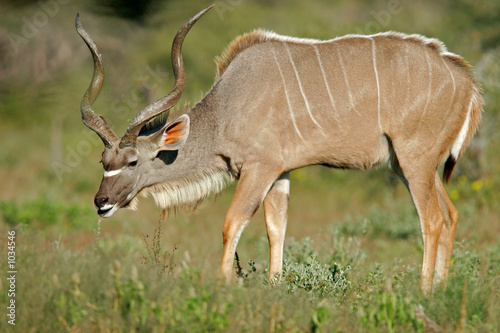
x,y
240,43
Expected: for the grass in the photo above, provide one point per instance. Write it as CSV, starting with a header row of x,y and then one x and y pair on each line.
x,y
353,249
121,284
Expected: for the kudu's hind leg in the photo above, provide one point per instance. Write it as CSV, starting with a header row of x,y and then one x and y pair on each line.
x,y
253,186
420,180
447,237
275,213
426,202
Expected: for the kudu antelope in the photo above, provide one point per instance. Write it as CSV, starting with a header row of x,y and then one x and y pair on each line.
x,y
280,103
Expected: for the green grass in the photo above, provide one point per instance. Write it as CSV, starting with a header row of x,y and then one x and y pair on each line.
x,y
121,283
353,250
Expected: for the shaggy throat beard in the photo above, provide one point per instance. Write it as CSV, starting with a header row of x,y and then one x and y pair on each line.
x,y
186,193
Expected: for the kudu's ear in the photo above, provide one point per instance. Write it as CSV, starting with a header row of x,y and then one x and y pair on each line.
x,y
174,134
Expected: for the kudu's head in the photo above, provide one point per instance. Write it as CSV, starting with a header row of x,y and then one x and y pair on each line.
x,y
129,162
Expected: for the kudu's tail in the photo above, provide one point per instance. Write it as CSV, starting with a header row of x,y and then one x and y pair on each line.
x,y
466,133
449,165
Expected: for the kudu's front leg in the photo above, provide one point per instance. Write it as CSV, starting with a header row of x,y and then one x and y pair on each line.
x,y
252,188
275,213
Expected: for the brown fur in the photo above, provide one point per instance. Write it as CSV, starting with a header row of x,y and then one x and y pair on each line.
x,y
241,43
238,45
437,46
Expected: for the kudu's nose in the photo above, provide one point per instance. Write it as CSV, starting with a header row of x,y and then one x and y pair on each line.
x,y
100,201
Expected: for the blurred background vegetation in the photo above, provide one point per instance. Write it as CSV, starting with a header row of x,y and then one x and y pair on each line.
x,y
45,68
49,168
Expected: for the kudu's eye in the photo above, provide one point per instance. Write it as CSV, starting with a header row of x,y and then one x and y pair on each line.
x,y
132,164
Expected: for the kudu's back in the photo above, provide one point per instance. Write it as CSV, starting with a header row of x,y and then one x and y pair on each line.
x,y
348,101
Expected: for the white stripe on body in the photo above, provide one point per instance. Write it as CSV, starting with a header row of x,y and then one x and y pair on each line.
x,y
429,90
287,97
454,86
374,56
351,98
301,88
326,81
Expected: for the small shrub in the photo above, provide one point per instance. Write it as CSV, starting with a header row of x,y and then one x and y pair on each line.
x,y
240,272
317,278
161,261
302,271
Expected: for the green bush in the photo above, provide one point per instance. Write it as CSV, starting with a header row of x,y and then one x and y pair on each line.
x,y
319,279
43,212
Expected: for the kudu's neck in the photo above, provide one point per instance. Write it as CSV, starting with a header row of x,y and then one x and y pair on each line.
x,y
197,171
199,153
201,144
